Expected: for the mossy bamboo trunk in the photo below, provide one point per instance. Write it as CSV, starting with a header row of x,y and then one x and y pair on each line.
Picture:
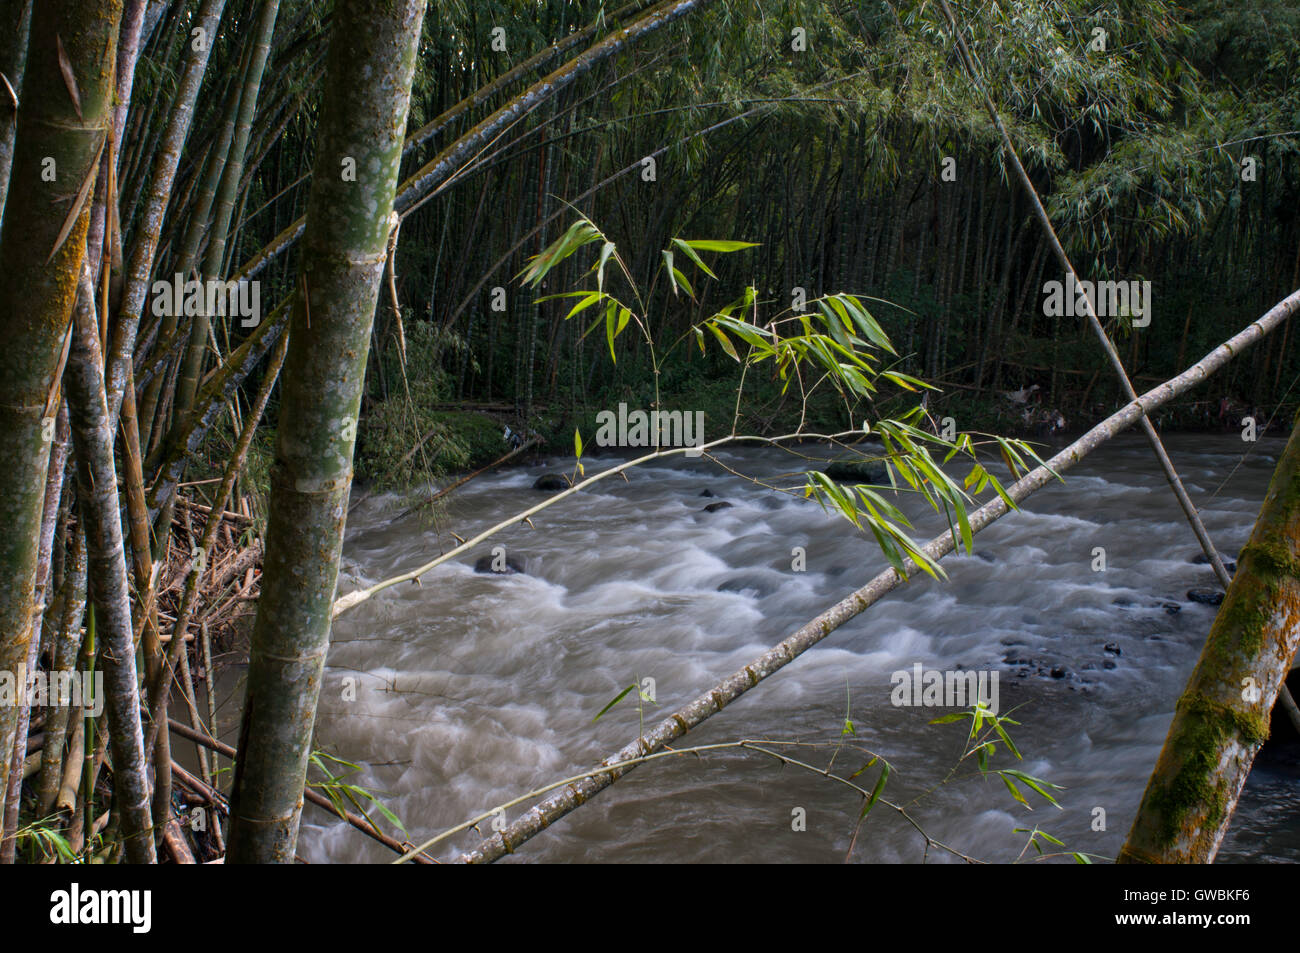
x,y
1222,718
38,284
367,91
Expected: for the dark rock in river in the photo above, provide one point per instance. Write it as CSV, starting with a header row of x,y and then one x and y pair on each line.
x,y
1109,664
1171,608
513,565
707,493
1203,560
1112,648
1209,597
714,507
759,586
551,481
863,471
1060,671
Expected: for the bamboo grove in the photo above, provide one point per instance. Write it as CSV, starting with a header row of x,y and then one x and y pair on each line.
x,y
178,474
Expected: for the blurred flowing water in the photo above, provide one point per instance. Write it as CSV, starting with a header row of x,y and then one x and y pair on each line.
x,y
470,689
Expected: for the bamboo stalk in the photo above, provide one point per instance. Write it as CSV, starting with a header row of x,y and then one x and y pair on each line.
x,y
66,648
367,94
97,486
157,195
42,246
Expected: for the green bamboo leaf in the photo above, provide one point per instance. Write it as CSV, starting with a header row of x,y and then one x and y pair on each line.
x,y
585,303
710,244
876,791
724,341
1015,791
690,253
617,698
606,250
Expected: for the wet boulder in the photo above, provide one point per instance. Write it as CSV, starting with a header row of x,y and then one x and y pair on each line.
x,y
551,481
707,492
1205,596
508,567
751,583
1200,559
859,471
714,507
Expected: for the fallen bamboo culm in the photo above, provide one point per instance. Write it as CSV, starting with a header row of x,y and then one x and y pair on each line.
x,y
729,689
320,800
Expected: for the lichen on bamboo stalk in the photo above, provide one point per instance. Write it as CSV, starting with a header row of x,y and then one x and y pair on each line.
x,y
97,488
42,244
367,92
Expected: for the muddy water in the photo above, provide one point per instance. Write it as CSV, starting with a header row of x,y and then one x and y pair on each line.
x,y
470,689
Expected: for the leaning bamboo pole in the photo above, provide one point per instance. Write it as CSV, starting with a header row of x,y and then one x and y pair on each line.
x,y
421,184
806,636
1108,347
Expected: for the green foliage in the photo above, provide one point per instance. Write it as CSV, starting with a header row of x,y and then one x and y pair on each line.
x,y
405,439
834,340
42,841
343,794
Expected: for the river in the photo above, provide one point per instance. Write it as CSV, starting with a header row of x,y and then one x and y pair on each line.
x,y
469,689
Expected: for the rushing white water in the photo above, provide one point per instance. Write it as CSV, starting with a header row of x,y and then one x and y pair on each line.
x,y
471,689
